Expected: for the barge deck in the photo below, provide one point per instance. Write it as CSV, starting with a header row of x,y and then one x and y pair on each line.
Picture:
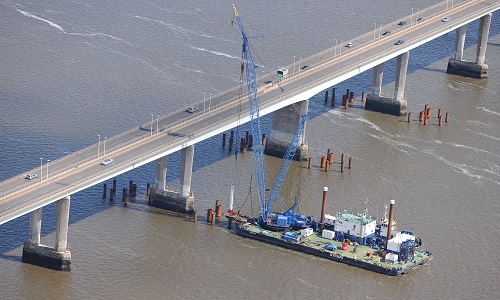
x,y
361,256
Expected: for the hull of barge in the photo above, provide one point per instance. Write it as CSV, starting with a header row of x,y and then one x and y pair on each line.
x,y
373,264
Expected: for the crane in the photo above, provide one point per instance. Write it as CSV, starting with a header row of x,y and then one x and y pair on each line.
x,y
248,66
266,204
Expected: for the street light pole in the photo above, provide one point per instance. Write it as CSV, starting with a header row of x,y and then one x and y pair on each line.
x,y
293,66
374,31
105,145
335,55
411,17
47,177
98,144
340,48
300,59
203,102
41,170
157,117
151,125
380,31
417,13
209,102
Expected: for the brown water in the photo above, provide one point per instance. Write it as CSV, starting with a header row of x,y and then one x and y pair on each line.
x,y
98,68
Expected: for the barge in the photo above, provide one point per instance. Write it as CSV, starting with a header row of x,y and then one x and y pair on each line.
x,y
349,238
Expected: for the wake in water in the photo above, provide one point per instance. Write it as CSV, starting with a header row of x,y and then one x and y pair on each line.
x,y
178,29
214,52
404,146
55,25
488,111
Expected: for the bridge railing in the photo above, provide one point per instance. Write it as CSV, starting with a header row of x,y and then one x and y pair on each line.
x,y
315,60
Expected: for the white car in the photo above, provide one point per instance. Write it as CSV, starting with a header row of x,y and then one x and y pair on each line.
x,y
107,162
349,45
192,109
446,19
30,176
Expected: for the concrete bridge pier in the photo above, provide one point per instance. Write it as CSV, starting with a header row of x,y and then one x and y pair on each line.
x,y
161,197
397,104
161,173
283,128
477,69
57,258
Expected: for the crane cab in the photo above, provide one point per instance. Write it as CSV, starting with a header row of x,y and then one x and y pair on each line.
x,y
281,74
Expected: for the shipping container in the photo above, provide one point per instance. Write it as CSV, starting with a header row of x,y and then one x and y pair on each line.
x,y
328,234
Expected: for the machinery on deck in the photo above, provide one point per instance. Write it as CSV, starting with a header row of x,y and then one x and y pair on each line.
x,y
273,220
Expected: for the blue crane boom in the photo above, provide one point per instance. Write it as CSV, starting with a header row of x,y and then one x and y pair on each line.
x,y
258,152
260,174
285,165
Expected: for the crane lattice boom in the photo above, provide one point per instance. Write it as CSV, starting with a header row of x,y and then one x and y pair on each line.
x,y
253,100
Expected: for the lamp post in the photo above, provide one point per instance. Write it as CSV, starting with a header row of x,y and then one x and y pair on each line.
x,y
47,177
293,66
41,170
151,133
417,14
335,55
104,150
203,102
98,144
380,31
411,17
209,102
340,48
300,59
157,117
374,30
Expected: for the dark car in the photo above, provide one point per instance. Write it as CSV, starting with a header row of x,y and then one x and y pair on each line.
x,y
386,32
402,23
399,42
419,19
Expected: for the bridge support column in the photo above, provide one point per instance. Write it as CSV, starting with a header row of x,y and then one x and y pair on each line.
x,y
161,173
397,104
401,68
187,157
460,42
35,226
182,202
477,69
62,222
378,75
57,258
283,128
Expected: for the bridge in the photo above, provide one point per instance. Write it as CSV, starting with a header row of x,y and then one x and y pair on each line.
x,y
287,97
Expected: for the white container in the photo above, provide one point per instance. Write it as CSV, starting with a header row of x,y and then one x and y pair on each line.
x,y
391,257
328,234
329,219
394,244
306,232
